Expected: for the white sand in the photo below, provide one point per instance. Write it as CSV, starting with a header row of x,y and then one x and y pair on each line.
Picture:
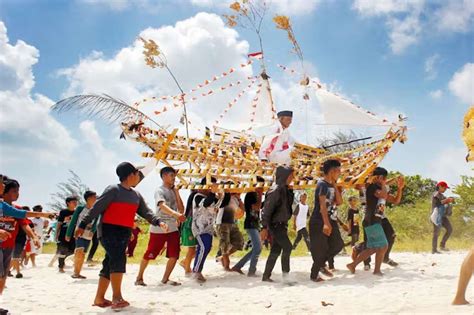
x,y
423,283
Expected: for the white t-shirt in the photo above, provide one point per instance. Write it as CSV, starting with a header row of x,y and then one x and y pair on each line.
x,y
301,216
39,225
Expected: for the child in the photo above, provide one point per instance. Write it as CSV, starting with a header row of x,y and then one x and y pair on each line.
x,y
353,220
377,196
82,243
170,209
66,246
205,206
133,239
117,207
325,238
300,217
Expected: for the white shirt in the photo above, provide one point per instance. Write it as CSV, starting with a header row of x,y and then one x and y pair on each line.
x,y
301,216
39,225
277,145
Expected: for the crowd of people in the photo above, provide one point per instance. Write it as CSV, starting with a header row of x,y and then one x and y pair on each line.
x,y
209,213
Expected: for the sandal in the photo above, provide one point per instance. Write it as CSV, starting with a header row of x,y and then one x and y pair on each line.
x,y
104,304
78,277
120,304
172,283
140,283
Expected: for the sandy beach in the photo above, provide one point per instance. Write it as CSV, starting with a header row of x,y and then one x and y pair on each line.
x,y
423,283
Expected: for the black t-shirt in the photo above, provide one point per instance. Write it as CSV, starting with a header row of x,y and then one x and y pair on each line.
x,y
375,207
353,218
323,188
252,219
64,217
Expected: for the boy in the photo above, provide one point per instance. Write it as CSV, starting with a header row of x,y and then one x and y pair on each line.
x,y
10,194
187,238
117,207
300,217
65,246
230,237
82,243
277,212
170,209
39,225
377,196
353,220
253,206
205,206
325,238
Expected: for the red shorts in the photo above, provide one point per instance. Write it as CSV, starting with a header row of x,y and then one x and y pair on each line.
x,y
157,242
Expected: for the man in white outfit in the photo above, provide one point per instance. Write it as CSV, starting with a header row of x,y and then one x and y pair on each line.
x,y
278,143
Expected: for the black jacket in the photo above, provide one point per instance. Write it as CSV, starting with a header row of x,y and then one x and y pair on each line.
x,y
279,200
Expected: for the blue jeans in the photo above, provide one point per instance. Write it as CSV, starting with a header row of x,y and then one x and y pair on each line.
x,y
253,254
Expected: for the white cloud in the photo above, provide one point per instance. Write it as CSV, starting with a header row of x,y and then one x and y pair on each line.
x,y
431,72
462,84
437,94
197,48
26,116
287,7
383,7
402,19
449,164
455,16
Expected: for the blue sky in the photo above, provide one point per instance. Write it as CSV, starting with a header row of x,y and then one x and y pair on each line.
x,y
388,56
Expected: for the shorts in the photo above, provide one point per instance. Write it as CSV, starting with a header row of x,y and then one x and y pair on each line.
x,y
157,242
5,259
187,237
115,241
375,236
65,249
82,243
230,237
18,250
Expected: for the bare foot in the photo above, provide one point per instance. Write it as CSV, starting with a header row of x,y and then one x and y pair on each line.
x,y
460,302
378,273
351,268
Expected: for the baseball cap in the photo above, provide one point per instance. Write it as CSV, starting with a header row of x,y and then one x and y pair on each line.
x,y
442,184
124,169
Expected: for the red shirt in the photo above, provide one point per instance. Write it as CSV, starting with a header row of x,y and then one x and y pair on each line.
x,y
11,225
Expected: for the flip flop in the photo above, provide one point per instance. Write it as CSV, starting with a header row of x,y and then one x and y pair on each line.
x,y
119,304
104,304
172,283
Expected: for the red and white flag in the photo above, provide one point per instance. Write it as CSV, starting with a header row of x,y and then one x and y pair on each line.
x,y
256,55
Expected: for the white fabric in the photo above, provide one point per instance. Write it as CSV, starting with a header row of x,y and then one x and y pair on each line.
x,y
279,154
301,217
339,111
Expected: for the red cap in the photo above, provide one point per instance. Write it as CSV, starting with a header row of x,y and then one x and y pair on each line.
x,y
442,184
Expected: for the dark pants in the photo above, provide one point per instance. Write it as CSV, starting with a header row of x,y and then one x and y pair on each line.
x,y
95,244
65,249
302,234
280,243
389,234
437,229
323,247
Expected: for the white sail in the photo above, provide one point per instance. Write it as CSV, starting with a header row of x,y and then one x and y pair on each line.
x,y
339,111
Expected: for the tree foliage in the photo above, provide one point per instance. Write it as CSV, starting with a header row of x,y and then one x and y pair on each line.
x,y
73,186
